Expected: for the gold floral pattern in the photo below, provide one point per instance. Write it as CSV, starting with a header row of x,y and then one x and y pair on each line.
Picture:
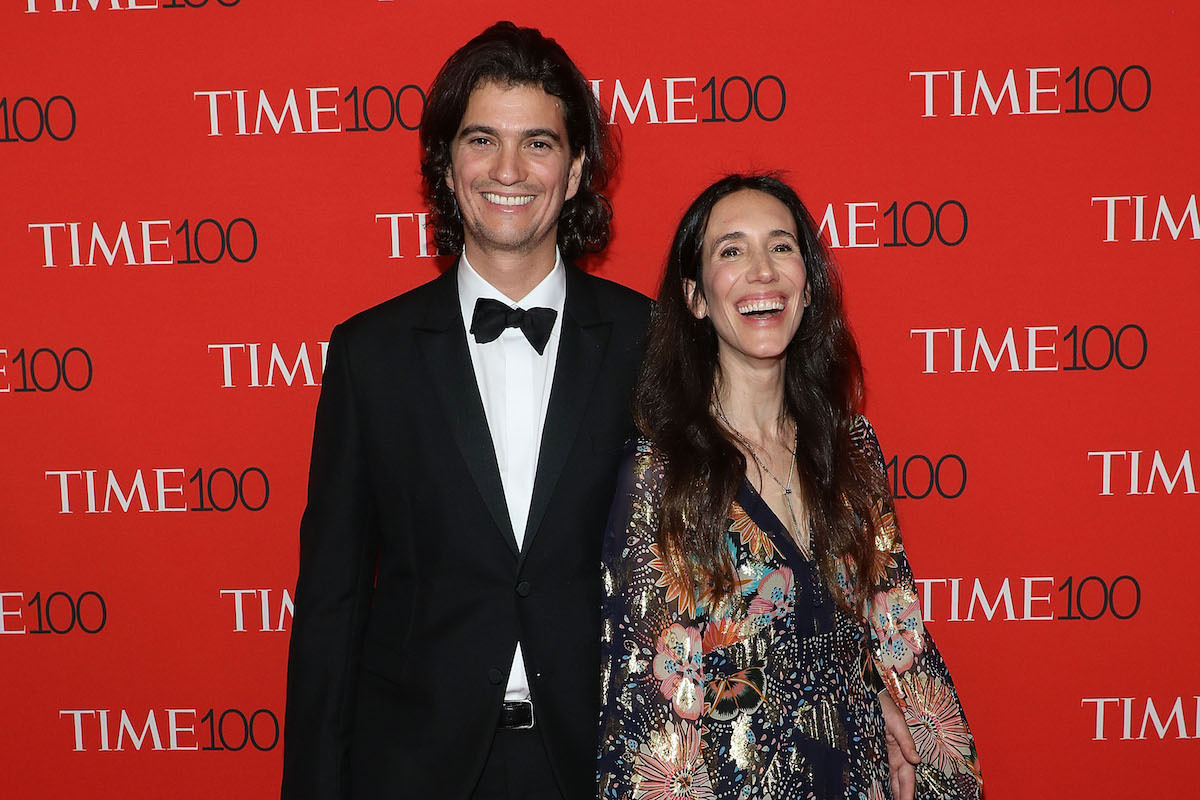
x,y
887,544
936,721
680,668
683,595
721,633
770,693
674,769
753,537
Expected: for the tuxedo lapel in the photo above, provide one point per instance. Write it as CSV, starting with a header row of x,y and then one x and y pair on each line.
x,y
441,339
584,339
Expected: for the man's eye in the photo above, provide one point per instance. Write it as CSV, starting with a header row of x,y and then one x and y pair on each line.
x,y
539,145
480,141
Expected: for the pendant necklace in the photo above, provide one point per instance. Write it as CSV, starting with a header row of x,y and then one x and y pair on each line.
x,y
794,530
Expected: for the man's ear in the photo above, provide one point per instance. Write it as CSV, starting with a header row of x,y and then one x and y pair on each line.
x,y
574,175
695,299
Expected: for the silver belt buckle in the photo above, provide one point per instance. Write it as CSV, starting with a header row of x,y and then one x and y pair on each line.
x,y
528,703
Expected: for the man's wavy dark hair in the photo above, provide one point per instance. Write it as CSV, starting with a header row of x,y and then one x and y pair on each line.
x,y
512,56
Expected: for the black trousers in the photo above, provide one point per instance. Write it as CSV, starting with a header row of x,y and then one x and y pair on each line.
x,y
517,769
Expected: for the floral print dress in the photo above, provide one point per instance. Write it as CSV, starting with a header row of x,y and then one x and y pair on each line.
x,y
771,693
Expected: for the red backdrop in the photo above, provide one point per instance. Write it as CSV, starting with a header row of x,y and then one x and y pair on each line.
x,y
195,192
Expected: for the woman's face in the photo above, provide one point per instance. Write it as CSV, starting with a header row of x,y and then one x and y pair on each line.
x,y
754,280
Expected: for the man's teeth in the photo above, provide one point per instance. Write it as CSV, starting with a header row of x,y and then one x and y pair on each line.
x,y
758,306
508,200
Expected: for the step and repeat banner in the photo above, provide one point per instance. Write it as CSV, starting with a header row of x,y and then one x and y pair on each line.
x,y
193,192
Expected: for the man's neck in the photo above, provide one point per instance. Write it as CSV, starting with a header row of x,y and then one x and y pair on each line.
x,y
513,274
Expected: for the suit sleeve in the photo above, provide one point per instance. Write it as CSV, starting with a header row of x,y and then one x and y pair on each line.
x,y
909,664
337,559
652,672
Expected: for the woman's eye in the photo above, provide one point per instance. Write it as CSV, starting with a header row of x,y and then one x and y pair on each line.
x,y
729,252
782,247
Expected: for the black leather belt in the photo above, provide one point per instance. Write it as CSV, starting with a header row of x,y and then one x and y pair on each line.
x,y
516,715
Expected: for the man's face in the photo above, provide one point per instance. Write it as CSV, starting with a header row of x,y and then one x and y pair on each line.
x,y
511,169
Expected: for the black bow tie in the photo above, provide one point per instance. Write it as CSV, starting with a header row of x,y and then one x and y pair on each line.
x,y
491,317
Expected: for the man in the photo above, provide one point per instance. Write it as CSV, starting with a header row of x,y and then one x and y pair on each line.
x,y
445,642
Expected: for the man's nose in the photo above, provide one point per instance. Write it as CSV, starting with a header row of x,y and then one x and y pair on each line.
x,y
508,168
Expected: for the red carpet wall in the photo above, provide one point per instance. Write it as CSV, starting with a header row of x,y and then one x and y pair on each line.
x,y
195,191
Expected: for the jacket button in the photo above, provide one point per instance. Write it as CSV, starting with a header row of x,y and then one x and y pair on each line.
x,y
494,675
523,588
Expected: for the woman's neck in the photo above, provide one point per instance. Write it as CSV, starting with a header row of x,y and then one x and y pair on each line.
x,y
750,396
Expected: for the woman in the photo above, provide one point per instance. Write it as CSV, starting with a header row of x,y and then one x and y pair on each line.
x,y
760,615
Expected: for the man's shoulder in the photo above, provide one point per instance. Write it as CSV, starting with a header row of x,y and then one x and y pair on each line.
x,y
404,310
617,299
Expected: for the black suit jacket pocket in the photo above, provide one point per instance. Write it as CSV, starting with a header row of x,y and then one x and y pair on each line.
x,y
385,661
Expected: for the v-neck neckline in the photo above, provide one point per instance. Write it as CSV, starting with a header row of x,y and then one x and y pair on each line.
x,y
762,515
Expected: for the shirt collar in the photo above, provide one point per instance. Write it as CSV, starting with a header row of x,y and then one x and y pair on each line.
x,y
551,292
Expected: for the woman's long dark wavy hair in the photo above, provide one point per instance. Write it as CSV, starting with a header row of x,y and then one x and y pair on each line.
x,y
512,56
823,391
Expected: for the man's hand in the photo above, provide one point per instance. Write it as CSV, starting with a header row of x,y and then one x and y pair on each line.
x,y
901,751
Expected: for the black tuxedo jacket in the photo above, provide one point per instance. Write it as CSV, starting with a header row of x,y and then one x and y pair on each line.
x,y
412,593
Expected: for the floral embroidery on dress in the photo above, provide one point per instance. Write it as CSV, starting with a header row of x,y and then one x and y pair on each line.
x,y
769,694
726,697
887,544
896,625
749,534
721,633
683,596
936,721
775,598
674,770
678,666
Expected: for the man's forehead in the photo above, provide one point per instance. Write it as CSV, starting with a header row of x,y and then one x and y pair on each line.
x,y
505,84
501,95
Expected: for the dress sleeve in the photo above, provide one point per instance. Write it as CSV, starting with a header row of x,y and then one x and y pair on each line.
x,y
908,661
652,679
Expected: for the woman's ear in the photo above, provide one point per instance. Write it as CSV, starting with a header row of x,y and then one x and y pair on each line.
x,y
694,299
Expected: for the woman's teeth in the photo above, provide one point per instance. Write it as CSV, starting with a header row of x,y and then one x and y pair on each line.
x,y
761,307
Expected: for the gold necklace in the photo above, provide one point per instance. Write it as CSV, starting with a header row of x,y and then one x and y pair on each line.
x,y
794,530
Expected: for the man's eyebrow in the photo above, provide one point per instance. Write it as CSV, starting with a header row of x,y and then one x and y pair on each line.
x,y
541,133
471,130
531,133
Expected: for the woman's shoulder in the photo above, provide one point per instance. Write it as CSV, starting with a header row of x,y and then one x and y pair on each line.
x,y
642,462
643,451
861,428
862,434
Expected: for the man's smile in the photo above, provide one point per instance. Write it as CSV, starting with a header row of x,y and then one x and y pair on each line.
x,y
508,200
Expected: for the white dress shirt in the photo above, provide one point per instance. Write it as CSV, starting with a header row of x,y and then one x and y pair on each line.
x,y
514,383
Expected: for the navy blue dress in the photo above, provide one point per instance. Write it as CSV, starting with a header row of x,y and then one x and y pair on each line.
x,y
771,692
